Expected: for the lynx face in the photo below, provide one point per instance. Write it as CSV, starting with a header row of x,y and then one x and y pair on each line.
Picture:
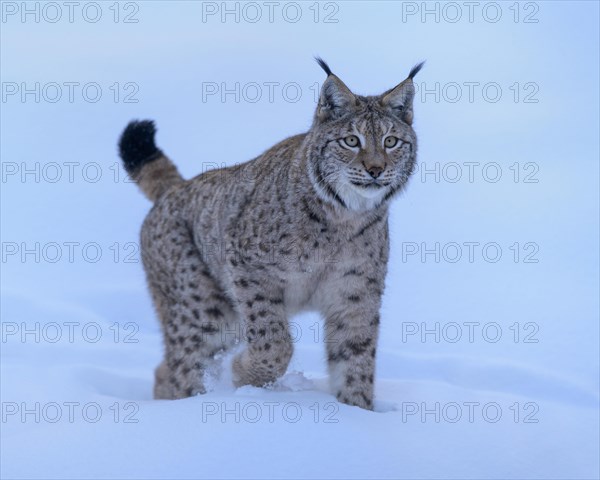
x,y
364,148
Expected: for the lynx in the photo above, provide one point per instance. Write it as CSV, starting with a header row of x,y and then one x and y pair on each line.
x,y
232,254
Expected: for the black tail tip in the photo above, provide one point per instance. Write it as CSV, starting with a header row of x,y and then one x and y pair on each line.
x,y
136,145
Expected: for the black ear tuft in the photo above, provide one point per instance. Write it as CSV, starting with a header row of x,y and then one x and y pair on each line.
x,y
324,65
136,145
415,70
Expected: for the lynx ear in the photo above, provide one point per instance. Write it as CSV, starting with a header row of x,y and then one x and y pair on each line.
x,y
336,99
400,98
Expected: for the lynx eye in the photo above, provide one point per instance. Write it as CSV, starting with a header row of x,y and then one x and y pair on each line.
x,y
390,142
352,141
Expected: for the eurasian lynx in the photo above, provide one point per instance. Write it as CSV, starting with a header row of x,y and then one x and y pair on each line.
x,y
235,252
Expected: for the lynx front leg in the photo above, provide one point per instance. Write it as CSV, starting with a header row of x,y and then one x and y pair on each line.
x,y
351,343
351,327
269,347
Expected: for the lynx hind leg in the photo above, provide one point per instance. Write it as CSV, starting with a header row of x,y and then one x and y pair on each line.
x,y
198,320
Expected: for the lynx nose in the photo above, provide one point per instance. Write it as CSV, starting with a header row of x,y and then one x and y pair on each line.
x,y
374,171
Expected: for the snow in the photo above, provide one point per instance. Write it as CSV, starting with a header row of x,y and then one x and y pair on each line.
x,y
487,367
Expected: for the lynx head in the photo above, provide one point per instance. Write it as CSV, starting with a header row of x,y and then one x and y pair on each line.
x,y
362,150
